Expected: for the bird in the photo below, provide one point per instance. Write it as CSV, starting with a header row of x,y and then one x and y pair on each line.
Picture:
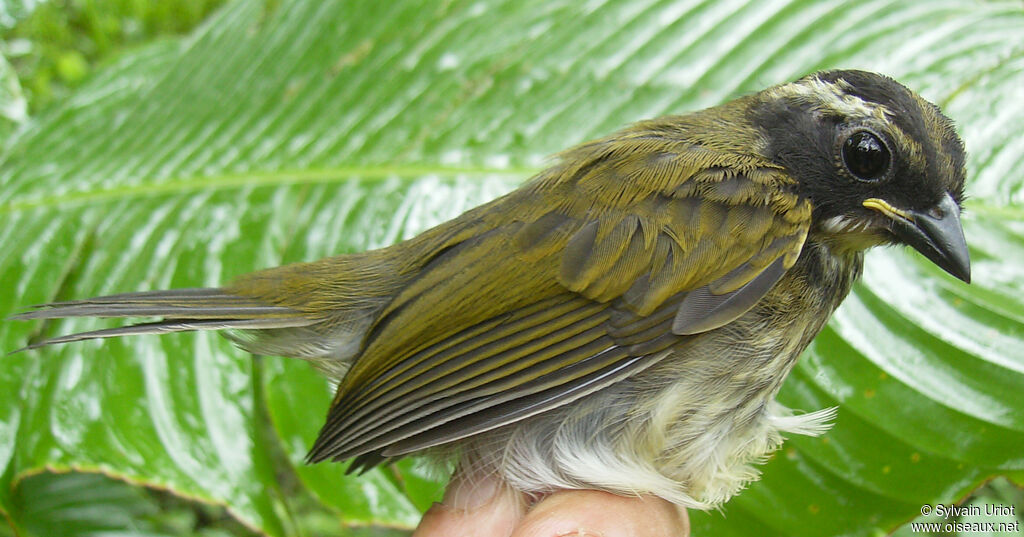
x,y
623,321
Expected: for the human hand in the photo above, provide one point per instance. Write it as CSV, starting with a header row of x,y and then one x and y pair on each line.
x,y
485,509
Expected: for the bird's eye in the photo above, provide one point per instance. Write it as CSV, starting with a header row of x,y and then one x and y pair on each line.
x,y
865,156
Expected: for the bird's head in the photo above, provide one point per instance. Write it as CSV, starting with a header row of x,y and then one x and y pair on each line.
x,y
879,164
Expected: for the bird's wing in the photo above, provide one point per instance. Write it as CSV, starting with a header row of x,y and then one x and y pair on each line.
x,y
532,312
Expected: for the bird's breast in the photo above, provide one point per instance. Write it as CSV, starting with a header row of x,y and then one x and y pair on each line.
x,y
708,409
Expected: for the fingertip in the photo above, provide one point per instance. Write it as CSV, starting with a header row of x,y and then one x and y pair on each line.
x,y
473,508
469,492
600,514
436,521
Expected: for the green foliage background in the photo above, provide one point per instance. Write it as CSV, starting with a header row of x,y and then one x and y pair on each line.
x,y
285,131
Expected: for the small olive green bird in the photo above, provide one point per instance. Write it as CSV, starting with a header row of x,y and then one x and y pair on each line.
x,y
624,320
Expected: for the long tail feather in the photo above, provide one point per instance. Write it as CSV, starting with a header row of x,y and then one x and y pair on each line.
x,y
167,327
193,303
182,310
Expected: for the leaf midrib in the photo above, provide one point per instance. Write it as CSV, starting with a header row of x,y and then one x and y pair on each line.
x,y
256,180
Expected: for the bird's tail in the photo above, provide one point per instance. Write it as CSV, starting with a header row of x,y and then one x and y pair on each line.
x,y
180,310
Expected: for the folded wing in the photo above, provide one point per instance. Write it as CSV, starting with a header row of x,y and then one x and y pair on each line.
x,y
580,288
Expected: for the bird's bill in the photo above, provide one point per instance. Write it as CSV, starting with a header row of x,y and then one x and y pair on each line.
x,y
935,232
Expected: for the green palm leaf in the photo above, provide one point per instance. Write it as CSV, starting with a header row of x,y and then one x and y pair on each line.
x,y
287,131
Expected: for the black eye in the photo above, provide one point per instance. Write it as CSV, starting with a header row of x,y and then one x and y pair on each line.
x,y
865,156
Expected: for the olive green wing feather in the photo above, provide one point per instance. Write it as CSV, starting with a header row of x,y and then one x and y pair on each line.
x,y
598,270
